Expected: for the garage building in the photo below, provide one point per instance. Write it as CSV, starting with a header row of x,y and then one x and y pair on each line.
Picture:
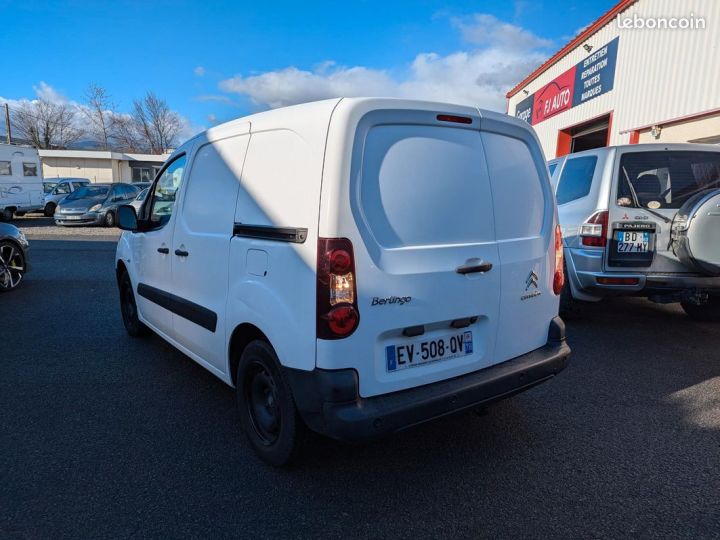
x,y
100,166
646,71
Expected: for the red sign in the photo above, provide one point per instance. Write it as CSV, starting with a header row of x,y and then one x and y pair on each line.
x,y
555,97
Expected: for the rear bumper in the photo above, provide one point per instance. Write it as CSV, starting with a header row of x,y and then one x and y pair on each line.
x,y
586,267
330,404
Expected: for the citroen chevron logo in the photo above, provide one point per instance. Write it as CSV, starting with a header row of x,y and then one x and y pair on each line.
x,y
531,281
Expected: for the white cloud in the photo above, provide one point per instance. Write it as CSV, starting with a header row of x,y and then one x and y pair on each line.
x,y
44,91
199,71
501,54
487,30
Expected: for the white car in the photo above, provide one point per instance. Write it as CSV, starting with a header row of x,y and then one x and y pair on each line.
x,y
354,266
62,188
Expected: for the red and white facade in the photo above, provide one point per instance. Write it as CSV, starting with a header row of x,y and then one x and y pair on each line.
x,y
616,83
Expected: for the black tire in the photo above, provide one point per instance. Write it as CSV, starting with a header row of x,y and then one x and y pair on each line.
x,y
267,409
128,309
6,214
49,210
109,219
568,305
12,266
707,312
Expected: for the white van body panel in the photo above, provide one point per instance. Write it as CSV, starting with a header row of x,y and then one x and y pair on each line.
x,y
426,273
273,285
203,228
524,227
24,193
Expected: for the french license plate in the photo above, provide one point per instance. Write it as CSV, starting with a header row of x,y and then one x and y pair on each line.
x,y
633,241
72,217
419,353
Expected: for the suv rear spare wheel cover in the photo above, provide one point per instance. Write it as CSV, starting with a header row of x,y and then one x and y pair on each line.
x,y
696,229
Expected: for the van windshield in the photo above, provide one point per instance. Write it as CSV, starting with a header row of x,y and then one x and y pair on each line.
x,y
665,179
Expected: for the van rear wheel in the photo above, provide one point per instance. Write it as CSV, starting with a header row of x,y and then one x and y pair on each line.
x,y
707,312
266,405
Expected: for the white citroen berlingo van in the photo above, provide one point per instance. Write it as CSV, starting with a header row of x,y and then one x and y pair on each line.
x,y
354,266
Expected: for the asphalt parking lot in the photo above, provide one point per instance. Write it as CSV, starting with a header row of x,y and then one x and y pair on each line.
x,y
105,436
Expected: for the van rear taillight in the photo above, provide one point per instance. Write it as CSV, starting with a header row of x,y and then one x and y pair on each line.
x,y
559,275
337,310
594,231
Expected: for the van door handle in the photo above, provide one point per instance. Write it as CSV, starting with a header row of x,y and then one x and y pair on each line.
x,y
181,253
473,266
163,250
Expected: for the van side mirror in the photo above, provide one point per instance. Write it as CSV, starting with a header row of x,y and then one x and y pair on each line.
x,y
127,218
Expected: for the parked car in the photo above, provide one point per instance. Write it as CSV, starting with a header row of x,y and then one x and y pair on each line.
x,y
378,263
642,220
94,204
21,181
139,200
14,249
63,187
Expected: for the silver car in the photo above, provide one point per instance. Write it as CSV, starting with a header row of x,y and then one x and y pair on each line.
x,y
14,250
642,220
95,204
62,188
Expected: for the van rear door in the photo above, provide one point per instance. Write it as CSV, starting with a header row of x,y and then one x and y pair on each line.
x,y
525,219
422,224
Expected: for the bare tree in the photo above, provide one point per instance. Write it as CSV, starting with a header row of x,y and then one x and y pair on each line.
x,y
155,123
125,135
98,112
46,124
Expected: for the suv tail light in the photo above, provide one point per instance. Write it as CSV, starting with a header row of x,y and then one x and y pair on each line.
x,y
559,276
337,310
594,231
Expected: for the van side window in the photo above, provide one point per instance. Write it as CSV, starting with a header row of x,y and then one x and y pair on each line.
x,y
213,184
576,179
30,169
5,168
165,192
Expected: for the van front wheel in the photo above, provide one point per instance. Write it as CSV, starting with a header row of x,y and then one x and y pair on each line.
x,y
267,409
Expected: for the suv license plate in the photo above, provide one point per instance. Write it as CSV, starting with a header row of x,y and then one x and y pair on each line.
x,y
633,242
419,353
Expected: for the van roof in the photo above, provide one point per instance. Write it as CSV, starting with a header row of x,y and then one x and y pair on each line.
x,y
320,111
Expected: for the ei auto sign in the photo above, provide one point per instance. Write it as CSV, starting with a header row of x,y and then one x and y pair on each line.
x,y
586,80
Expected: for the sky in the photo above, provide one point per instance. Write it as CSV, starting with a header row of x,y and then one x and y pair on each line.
x,y
214,61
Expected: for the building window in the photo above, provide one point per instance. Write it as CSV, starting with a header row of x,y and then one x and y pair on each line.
x,y
5,168
142,174
30,169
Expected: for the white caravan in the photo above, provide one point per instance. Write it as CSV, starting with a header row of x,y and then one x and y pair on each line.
x,y
354,266
21,182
